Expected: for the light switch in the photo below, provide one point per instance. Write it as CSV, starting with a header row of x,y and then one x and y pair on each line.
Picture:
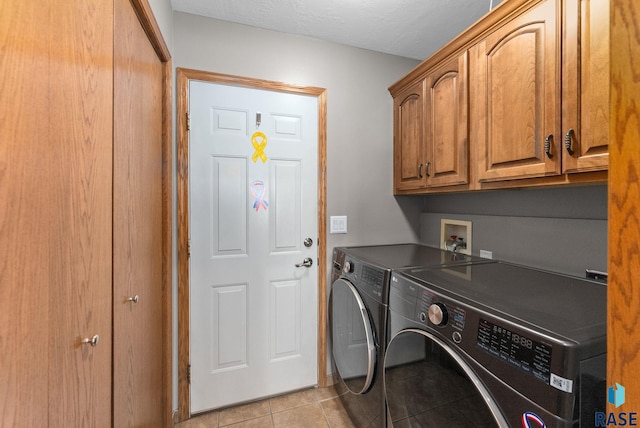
x,y
338,224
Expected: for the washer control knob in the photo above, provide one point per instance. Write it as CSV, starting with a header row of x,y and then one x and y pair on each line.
x,y
457,337
348,267
423,317
438,314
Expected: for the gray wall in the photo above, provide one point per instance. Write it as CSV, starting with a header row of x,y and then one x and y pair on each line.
x,y
163,13
559,229
359,113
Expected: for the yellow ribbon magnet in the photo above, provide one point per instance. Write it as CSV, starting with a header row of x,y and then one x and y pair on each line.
x,y
259,142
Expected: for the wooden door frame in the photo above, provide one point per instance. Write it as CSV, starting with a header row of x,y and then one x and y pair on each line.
x,y
150,26
183,77
623,338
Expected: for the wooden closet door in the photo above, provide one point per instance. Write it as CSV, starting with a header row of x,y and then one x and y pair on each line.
x,y
55,213
137,233
24,233
80,146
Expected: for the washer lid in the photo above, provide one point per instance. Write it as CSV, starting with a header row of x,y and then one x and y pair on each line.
x,y
571,307
398,256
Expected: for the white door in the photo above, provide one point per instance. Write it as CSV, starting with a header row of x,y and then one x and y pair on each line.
x,y
253,202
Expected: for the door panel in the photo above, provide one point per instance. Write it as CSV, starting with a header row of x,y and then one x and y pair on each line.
x,y
286,194
229,215
284,323
517,97
408,142
28,190
253,199
585,85
447,124
229,343
137,219
77,157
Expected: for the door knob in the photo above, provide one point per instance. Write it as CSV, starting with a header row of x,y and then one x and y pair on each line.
x,y
307,262
93,341
308,242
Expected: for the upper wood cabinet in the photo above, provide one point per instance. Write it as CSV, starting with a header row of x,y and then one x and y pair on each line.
x,y
447,137
516,97
521,98
585,86
539,111
431,132
408,141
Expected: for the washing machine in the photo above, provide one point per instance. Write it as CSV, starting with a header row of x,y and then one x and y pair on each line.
x,y
358,319
494,345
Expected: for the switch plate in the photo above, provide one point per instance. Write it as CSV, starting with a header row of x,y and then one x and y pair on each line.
x,y
338,224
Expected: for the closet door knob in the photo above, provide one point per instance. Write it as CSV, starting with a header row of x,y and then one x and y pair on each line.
x,y
134,299
93,341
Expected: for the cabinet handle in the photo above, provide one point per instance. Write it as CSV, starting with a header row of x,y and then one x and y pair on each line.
x,y
420,170
547,146
426,169
134,299
93,341
568,137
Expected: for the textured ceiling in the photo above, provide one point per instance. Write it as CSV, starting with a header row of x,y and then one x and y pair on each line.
x,y
409,28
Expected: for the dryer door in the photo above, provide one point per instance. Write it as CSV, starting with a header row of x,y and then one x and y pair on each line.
x,y
428,384
353,339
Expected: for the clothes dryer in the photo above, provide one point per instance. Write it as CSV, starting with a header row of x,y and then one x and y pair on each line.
x,y
358,319
495,345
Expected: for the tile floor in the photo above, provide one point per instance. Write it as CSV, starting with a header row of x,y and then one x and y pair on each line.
x,y
310,408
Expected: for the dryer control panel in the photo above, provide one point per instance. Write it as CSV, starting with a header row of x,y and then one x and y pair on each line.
x,y
518,350
365,277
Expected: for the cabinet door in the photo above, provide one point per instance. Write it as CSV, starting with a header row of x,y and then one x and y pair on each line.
x,y
447,136
518,97
137,233
585,86
408,144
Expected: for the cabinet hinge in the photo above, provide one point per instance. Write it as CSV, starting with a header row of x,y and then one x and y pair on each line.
x,y
189,248
188,122
189,374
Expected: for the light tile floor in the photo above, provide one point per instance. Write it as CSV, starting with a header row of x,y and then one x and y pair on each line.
x,y
310,408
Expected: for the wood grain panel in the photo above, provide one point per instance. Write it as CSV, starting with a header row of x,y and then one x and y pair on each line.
x,y
184,397
447,135
518,95
26,186
79,147
623,336
585,85
138,217
408,140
